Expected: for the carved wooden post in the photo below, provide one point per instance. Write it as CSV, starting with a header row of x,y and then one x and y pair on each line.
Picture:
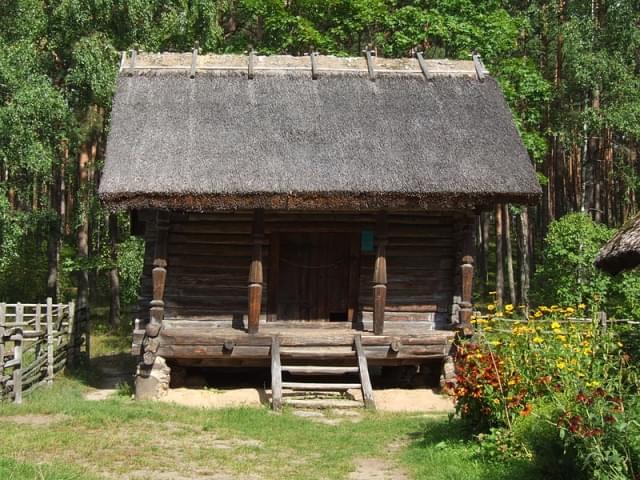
x,y
380,276
159,277
466,274
153,375
255,272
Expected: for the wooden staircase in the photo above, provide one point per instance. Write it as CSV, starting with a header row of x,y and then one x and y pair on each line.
x,y
314,394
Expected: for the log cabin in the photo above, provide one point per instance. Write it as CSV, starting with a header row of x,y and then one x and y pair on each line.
x,y
313,214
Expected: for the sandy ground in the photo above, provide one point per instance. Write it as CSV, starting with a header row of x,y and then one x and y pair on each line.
x,y
387,400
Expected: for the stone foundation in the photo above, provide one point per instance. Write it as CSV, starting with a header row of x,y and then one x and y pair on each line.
x,y
152,382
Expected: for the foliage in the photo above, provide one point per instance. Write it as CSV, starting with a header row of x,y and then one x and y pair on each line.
x,y
130,263
566,273
581,382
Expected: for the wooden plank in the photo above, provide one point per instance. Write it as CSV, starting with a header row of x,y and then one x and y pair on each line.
x,y
272,279
276,375
303,386
322,403
367,391
318,370
17,369
50,346
38,317
354,277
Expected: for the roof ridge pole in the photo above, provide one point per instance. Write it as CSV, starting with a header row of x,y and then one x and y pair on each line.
x,y
479,66
134,58
423,66
194,61
314,66
251,58
123,59
370,67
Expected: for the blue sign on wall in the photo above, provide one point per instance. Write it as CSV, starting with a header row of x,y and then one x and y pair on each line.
x,y
366,241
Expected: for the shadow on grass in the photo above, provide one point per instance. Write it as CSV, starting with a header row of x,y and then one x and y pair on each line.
x,y
444,450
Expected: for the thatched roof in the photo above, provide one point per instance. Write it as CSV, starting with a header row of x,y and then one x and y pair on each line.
x,y
622,252
205,136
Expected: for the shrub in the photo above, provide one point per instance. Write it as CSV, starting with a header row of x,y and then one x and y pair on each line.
x,y
566,273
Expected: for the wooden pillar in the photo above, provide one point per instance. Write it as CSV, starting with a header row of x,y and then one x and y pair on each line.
x,y
255,272
380,275
159,273
159,277
466,274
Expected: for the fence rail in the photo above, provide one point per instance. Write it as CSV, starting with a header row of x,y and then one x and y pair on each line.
x,y
36,342
601,319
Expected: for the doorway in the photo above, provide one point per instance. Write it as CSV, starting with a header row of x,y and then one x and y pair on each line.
x,y
315,276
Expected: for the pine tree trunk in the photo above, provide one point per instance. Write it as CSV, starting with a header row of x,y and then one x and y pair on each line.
x,y
82,234
114,280
53,238
499,259
485,221
523,246
509,254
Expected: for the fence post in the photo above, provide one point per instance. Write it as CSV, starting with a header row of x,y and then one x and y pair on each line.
x,y
19,314
3,312
17,369
49,341
603,321
71,340
2,381
38,317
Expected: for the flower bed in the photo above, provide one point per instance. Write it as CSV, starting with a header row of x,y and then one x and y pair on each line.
x,y
570,376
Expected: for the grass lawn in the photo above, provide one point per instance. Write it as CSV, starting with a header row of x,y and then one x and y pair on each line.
x,y
57,434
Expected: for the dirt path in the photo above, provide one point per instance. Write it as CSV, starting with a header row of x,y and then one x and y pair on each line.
x,y
112,372
376,469
387,400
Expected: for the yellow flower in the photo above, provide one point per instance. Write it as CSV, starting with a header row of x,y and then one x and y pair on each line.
x,y
580,374
508,308
562,338
587,351
511,382
538,340
555,325
496,401
620,344
491,307
570,310
593,384
538,314
499,314
560,365
488,328
582,306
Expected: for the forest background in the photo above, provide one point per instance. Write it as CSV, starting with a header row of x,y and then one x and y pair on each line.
x,y
570,71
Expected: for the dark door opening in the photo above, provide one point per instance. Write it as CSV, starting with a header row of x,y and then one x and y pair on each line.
x,y
313,276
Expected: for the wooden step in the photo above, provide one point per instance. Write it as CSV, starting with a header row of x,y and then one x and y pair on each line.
x,y
318,370
322,403
320,386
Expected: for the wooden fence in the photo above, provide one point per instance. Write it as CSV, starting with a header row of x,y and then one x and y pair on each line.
x,y
601,319
36,342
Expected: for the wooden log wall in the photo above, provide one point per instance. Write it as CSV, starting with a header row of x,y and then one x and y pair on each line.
x,y
209,255
421,268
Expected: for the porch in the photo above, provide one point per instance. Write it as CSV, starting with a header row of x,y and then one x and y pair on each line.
x,y
222,343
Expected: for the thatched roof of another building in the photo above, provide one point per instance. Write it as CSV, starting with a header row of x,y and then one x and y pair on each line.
x,y
622,252
205,136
